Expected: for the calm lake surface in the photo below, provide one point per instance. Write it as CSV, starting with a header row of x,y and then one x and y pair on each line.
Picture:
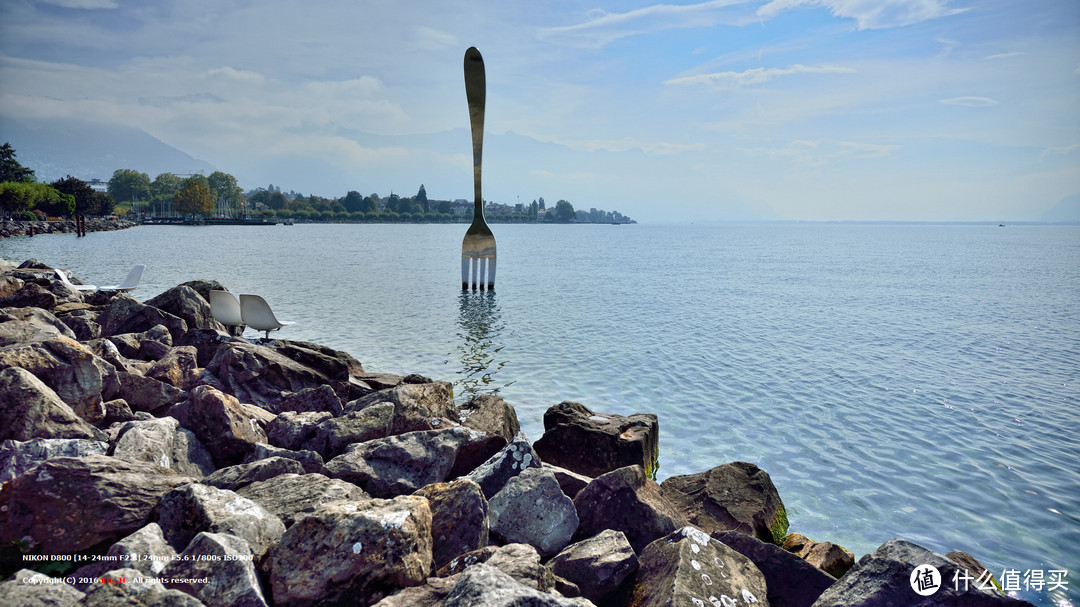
x,y
895,381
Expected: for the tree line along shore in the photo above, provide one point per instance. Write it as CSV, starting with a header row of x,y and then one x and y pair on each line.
x,y
150,456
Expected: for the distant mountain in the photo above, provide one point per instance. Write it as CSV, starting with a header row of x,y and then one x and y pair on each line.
x,y
55,149
1067,210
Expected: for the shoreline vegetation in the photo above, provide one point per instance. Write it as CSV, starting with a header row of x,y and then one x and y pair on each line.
x,y
151,456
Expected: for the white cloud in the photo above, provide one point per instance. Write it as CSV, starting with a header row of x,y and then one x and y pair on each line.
x,y
870,14
430,39
242,76
971,101
1058,150
627,144
83,4
1002,56
757,75
604,27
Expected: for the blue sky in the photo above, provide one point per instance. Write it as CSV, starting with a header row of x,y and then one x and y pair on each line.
x,y
798,109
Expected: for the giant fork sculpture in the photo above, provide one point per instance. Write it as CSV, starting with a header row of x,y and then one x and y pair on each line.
x,y
478,247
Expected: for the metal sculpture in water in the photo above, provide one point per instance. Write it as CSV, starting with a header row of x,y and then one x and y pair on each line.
x,y
478,247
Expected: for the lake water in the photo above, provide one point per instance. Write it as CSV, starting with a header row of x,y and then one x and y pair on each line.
x,y
895,381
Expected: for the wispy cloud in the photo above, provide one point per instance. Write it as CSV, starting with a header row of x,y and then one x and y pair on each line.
x,y
1059,150
970,101
627,144
818,153
603,27
871,14
997,56
84,4
758,75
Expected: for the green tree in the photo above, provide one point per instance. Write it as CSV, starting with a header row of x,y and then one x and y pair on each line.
x,y
18,196
103,203
370,204
194,198
86,203
128,184
277,201
421,198
163,191
353,201
564,211
225,192
10,169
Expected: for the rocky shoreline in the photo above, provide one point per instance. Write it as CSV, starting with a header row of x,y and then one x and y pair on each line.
x,y
150,457
93,224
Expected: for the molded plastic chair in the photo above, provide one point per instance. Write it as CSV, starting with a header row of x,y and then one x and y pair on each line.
x,y
226,309
256,313
64,279
132,280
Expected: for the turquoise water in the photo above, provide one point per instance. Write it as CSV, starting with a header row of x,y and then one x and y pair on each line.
x,y
895,381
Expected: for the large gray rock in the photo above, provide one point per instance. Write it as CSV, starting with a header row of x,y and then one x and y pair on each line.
x,y
145,550
221,423
598,565
519,561
334,435
143,393
320,398
400,464
831,558
733,497
358,553
163,442
292,430
415,405
624,500
490,414
125,314
219,570
178,368
292,496
791,581
188,510
483,585
510,461
532,509
689,568
184,302
883,578
310,461
150,345
29,588
459,518
17,457
335,364
73,372
21,325
241,475
69,504
592,444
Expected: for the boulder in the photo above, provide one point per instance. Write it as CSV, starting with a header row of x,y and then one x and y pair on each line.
x,y
292,496
21,325
571,482
68,504
733,497
415,404
206,342
203,286
624,500
125,314
117,411
483,585
148,394
184,302
33,589
145,550
30,295
791,581
321,398
335,364
884,577
476,448
129,587
592,444
30,409
519,561
831,558
83,326
491,414
334,435
17,457
400,464
219,421
359,552
532,509
190,509
164,442
292,430
379,381
262,376
241,475
598,565
310,461
177,367
494,473
459,518
689,568
219,570
79,378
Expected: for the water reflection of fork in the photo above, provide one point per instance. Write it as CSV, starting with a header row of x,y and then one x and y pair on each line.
x,y
478,247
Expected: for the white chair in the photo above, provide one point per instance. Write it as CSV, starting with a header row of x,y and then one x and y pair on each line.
x,y
64,279
132,280
226,309
256,313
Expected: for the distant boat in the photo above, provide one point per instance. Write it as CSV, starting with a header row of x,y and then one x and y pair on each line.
x,y
1001,225
242,220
